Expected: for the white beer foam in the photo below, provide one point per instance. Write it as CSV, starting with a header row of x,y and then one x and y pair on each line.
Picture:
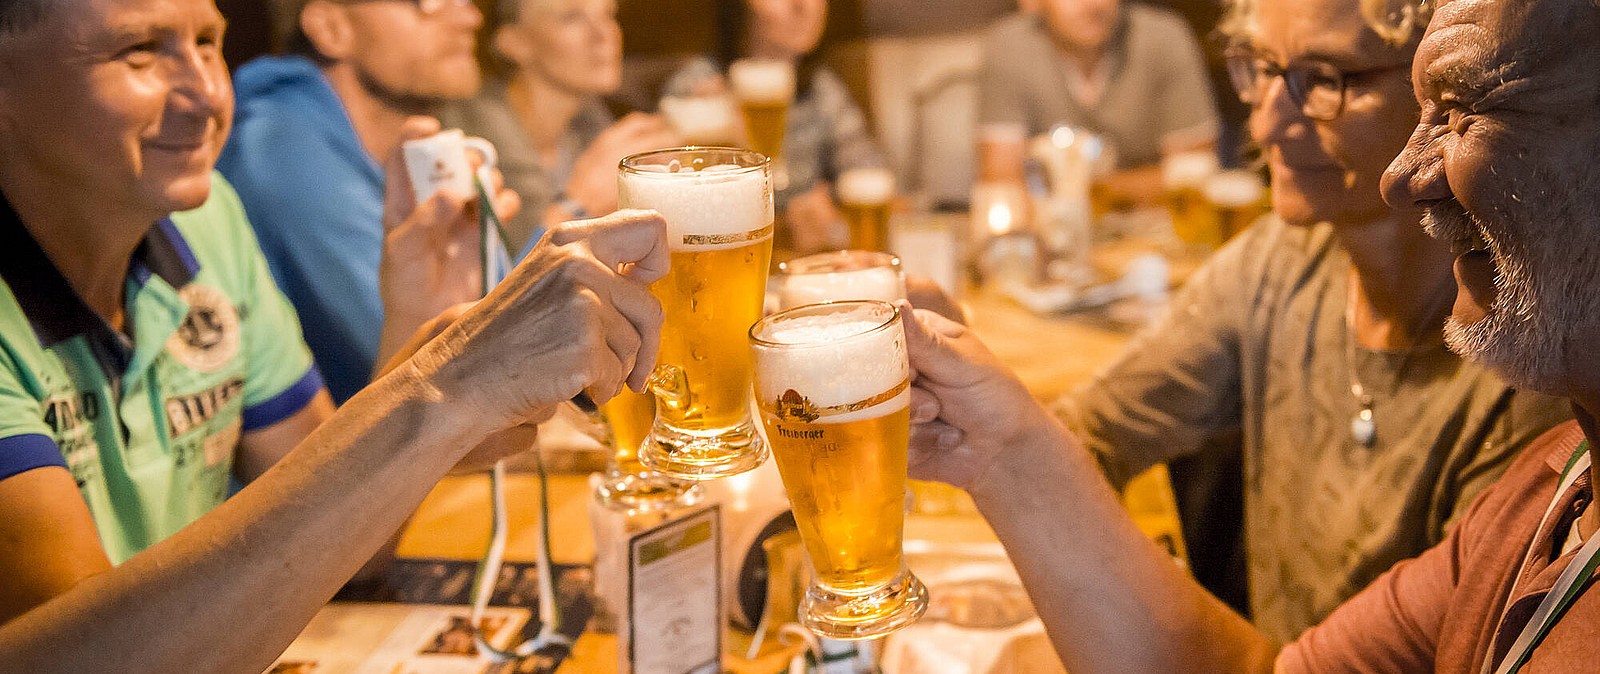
x,y
762,80
1189,169
700,116
1233,189
866,186
845,367
874,283
722,200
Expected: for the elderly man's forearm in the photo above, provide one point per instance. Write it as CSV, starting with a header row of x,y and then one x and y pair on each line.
x,y
245,579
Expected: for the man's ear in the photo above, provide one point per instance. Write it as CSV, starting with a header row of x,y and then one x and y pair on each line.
x,y
511,43
327,26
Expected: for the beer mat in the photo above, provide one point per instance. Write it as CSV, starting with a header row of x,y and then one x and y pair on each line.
x,y
449,582
720,239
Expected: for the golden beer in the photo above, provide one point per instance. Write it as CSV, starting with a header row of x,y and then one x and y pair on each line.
x,y
1184,176
627,485
864,196
629,415
840,275
764,89
717,203
764,123
833,385
1238,199
710,299
848,490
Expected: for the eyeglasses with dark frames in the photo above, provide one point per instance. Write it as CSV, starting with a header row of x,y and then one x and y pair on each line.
x,y
1317,87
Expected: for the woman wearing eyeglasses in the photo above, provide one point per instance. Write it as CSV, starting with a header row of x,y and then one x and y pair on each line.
x,y
1312,343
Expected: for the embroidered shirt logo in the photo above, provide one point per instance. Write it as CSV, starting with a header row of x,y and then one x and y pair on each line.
x,y
209,335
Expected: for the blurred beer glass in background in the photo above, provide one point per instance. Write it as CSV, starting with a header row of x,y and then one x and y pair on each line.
x,y
864,201
764,89
627,484
1237,199
840,275
1184,175
702,120
833,385
717,203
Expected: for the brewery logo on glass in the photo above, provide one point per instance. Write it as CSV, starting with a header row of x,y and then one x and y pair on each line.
x,y
208,338
795,407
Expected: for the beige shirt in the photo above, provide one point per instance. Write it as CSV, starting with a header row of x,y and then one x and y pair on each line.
x,y
1150,89
1255,346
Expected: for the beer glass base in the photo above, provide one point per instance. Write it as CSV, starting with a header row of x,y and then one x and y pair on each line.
x,y
645,492
689,455
850,617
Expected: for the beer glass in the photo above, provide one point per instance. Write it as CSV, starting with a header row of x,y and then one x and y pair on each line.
x,y
840,275
627,484
864,195
764,89
1184,175
833,385
717,203
1238,199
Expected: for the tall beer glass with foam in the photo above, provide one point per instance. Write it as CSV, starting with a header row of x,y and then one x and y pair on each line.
x,y
833,386
718,206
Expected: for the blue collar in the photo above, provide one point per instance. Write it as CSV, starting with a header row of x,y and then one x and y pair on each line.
x,y
56,311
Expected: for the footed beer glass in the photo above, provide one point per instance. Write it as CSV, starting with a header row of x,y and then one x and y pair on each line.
x,y
627,484
717,203
833,385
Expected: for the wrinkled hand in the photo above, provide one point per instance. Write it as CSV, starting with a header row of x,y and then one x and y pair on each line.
x,y
430,250
924,293
594,173
966,407
575,316
814,221
497,446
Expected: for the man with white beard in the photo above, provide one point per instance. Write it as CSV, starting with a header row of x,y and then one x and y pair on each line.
x,y
1502,161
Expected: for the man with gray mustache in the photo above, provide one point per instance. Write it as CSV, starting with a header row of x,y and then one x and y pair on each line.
x,y
1503,160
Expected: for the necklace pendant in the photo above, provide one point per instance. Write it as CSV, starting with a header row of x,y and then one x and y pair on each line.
x,y
1362,426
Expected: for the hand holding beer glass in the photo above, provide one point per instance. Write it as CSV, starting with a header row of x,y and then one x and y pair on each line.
x,y
833,385
840,275
717,203
764,89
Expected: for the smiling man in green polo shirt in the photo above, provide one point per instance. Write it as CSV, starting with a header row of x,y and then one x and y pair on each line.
x,y
148,425
146,357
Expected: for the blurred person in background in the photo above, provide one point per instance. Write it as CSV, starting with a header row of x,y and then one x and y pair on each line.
x,y
826,132
1311,345
558,145
312,128
1131,73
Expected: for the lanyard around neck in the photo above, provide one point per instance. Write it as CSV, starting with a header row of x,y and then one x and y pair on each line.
x,y
1568,585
